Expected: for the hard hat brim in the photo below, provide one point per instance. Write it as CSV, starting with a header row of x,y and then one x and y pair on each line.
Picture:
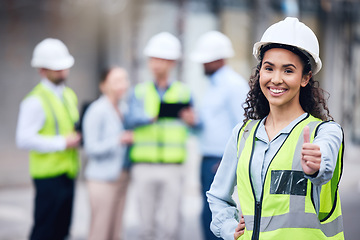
x,y
203,58
161,54
316,63
59,65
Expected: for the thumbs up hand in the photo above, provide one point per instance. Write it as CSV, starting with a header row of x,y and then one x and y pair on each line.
x,y
310,155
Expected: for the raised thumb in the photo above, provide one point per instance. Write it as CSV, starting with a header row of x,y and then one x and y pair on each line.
x,y
306,134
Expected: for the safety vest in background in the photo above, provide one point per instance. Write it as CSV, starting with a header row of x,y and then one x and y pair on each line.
x,y
60,119
286,208
164,140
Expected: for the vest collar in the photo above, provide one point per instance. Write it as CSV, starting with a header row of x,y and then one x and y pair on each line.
x,y
261,132
169,83
56,89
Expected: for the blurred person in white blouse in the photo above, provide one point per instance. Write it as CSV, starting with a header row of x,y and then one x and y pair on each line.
x,y
105,140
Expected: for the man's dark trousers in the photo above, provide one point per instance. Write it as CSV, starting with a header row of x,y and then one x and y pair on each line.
x,y
209,167
53,208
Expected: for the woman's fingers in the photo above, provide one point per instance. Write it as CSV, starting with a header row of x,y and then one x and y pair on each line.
x,y
239,230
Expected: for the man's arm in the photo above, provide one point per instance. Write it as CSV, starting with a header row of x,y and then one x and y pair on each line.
x,y
30,121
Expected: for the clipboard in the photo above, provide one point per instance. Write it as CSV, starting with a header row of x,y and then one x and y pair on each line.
x,y
171,110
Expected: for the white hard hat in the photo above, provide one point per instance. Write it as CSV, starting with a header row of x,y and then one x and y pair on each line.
x,y
212,46
291,32
163,45
52,54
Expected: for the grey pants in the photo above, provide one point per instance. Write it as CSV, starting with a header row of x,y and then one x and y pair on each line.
x,y
158,189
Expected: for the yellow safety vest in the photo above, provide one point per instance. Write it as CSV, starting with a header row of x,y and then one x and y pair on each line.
x,y
286,208
60,117
164,140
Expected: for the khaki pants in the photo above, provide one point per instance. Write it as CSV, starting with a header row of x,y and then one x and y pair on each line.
x,y
107,201
158,189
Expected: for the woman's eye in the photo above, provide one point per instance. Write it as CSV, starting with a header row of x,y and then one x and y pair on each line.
x,y
288,71
268,68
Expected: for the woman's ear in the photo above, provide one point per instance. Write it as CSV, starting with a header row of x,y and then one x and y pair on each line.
x,y
305,79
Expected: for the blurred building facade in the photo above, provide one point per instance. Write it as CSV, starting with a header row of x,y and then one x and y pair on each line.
x,y
100,33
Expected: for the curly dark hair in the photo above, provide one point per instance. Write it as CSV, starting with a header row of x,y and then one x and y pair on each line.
x,y
312,97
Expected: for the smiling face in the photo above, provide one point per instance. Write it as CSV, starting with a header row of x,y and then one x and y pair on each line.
x,y
281,77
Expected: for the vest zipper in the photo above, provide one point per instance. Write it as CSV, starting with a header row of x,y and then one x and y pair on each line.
x,y
257,218
258,205
257,214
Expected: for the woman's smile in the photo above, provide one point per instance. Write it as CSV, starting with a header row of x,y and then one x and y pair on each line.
x,y
277,91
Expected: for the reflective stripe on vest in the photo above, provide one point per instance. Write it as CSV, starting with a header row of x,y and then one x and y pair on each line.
x,y
286,209
164,140
60,117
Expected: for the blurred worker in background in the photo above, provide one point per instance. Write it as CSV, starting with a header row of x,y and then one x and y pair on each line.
x,y
105,141
159,150
221,108
46,127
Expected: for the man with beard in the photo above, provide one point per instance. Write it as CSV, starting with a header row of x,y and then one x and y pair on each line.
x,y
221,109
45,127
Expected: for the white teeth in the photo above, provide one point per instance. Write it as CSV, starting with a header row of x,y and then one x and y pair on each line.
x,y
277,90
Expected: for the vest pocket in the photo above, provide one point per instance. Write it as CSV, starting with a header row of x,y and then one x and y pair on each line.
x,y
288,182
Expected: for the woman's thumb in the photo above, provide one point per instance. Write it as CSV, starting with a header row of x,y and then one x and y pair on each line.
x,y
306,134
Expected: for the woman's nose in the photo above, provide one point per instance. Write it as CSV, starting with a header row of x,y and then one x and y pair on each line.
x,y
277,78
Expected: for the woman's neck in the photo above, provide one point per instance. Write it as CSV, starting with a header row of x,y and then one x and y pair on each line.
x,y
278,119
114,102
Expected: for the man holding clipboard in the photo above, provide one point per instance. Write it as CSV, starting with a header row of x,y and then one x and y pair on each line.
x,y
161,114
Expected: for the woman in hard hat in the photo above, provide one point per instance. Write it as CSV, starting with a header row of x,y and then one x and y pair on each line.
x,y
286,159
105,140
